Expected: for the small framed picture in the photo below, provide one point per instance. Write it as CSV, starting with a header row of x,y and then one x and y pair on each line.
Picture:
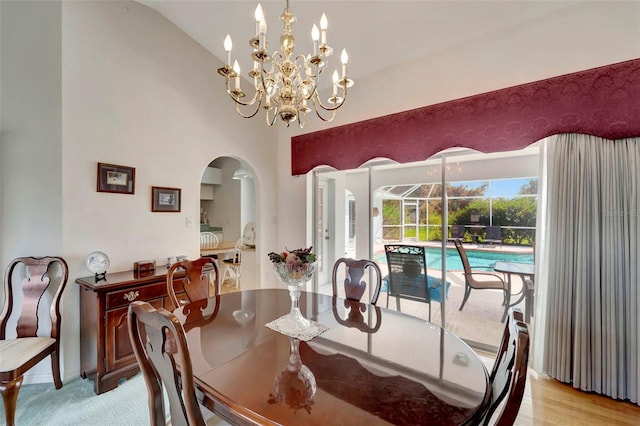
x,y
114,178
165,199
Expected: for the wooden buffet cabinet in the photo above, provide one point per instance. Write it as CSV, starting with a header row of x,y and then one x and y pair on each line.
x,y
106,356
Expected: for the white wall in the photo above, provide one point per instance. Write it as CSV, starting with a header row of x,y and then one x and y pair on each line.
x,y
129,88
584,36
31,136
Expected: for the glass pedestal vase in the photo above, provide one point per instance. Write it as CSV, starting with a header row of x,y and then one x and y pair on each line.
x,y
294,277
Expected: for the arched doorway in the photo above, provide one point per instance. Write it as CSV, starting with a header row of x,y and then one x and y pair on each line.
x,y
227,208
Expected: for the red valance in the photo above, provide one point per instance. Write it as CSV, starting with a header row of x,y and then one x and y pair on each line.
x,y
603,101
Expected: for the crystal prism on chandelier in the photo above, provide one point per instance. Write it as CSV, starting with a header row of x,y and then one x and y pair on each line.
x,y
286,86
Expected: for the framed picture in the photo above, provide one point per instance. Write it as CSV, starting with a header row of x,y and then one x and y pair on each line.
x,y
114,178
165,199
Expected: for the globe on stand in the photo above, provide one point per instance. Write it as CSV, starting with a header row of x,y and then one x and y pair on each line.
x,y
294,276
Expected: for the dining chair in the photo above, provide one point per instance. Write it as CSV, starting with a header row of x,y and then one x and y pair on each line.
x,y
42,281
208,241
354,284
354,317
509,373
200,276
160,346
408,278
234,264
488,281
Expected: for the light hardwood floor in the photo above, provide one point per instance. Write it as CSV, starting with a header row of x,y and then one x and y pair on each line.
x,y
547,401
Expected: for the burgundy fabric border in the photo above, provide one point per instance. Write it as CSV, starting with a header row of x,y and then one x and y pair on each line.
x,y
603,101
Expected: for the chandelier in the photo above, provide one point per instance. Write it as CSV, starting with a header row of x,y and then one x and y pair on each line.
x,y
283,85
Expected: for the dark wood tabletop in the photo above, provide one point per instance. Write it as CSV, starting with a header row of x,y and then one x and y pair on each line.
x,y
372,366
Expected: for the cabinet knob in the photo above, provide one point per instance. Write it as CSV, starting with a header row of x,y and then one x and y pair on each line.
x,y
131,296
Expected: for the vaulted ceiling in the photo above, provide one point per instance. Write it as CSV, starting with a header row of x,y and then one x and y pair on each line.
x,y
376,34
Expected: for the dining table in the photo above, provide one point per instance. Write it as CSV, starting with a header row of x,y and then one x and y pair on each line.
x,y
369,365
526,272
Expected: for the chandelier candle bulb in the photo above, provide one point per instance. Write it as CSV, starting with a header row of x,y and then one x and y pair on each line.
x,y
227,48
323,27
259,16
263,32
236,70
315,36
344,58
335,82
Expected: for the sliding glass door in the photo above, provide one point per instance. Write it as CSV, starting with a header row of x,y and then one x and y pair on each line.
x,y
358,211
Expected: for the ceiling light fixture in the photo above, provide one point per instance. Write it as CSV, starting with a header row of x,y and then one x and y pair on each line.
x,y
241,173
286,86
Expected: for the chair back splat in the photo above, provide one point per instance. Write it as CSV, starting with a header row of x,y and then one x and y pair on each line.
x,y
201,280
160,345
41,281
509,373
354,285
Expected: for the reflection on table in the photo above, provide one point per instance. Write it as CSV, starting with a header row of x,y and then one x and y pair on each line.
x,y
373,365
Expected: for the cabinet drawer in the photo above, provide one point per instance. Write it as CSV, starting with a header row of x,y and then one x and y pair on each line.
x,y
120,298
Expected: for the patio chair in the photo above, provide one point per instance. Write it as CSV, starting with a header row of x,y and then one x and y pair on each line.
x,y
457,233
509,373
408,277
493,235
473,283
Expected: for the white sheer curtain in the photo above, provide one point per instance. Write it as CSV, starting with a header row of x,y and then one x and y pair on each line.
x,y
587,315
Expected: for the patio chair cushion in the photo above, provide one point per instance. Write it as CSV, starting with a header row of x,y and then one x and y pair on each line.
x,y
434,283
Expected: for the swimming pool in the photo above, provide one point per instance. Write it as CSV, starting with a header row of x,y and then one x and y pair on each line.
x,y
482,259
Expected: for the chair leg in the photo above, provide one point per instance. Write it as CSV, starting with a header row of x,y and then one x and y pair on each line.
x,y
467,291
9,393
55,368
506,307
398,304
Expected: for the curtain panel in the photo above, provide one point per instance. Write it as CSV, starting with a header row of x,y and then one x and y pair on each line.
x,y
588,298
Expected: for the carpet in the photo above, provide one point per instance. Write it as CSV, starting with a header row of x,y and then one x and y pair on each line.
x,y
77,404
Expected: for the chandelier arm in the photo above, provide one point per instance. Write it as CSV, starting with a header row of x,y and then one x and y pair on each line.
x,y
275,115
333,108
237,100
317,111
301,122
248,115
333,115
250,103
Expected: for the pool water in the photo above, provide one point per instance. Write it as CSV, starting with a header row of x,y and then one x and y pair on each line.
x,y
478,259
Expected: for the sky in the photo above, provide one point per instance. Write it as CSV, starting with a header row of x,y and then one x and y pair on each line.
x,y
500,187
